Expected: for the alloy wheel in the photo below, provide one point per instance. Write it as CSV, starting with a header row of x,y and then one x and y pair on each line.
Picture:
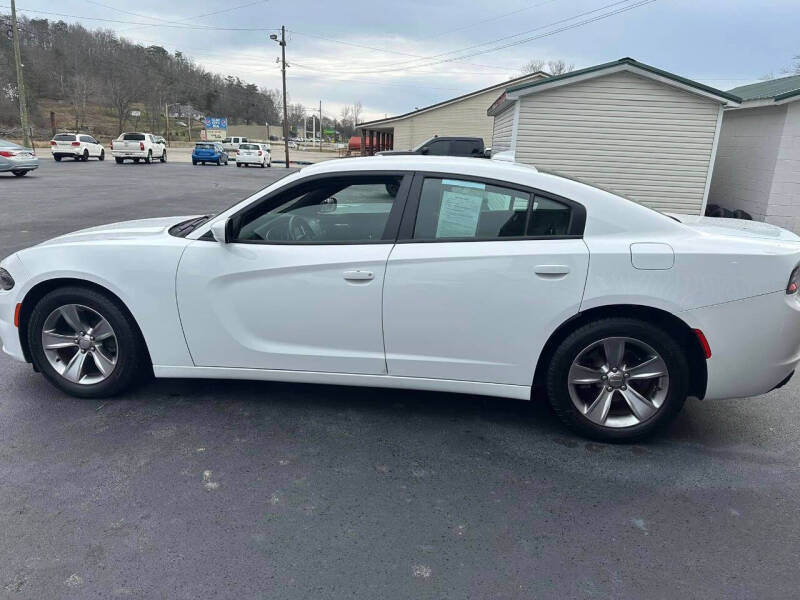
x,y
80,344
618,382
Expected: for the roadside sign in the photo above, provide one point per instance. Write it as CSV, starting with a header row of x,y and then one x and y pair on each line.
x,y
216,123
136,113
203,134
215,134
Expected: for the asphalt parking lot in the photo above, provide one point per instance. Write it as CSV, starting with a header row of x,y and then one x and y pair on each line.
x,y
194,489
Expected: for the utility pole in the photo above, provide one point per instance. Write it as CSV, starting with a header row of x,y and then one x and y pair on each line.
x,y
282,43
23,106
166,118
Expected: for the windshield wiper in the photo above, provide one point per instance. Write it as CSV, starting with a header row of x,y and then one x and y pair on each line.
x,y
186,227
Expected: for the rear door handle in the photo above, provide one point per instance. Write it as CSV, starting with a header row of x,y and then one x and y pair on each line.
x,y
358,275
551,270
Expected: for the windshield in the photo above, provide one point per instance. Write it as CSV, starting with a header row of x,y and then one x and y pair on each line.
x,y
133,137
248,147
64,137
417,148
205,146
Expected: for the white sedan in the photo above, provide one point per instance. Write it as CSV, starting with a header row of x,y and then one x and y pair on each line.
x,y
474,276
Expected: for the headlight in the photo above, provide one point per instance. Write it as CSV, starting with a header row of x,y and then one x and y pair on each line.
x,y
6,280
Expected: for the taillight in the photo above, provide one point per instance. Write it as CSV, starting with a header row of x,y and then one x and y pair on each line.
x,y
7,153
76,143
141,146
794,281
260,153
52,142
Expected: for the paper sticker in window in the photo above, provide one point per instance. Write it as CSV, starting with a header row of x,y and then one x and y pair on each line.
x,y
458,215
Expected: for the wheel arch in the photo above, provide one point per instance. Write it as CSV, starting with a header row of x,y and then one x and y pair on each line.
x,y
679,329
41,289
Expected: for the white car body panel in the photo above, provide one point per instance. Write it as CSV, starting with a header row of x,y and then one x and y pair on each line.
x,y
441,319
283,306
453,316
121,148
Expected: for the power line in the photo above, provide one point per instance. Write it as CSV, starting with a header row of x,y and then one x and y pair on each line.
x,y
515,43
168,24
409,64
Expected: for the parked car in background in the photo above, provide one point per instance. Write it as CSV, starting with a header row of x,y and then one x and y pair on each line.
x,y
79,146
209,152
445,146
17,159
480,276
138,146
231,144
160,140
254,153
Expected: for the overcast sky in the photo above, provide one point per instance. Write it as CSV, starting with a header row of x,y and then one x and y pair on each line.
x,y
395,56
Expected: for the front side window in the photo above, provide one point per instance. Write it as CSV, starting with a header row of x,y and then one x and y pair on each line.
x,y
352,209
439,148
453,209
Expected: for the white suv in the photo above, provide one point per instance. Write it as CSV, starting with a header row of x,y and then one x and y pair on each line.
x,y
76,145
252,153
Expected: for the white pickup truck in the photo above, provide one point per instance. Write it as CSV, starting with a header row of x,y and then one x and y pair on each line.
x,y
138,146
231,144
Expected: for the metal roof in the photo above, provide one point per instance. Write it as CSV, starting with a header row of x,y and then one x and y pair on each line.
x,y
631,63
775,89
498,86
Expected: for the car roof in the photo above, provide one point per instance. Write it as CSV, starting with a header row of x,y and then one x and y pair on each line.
x,y
7,144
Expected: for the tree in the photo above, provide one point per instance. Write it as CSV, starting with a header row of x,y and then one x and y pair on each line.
x,y
124,84
357,110
554,67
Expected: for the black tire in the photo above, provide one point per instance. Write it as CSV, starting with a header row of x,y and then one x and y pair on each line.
x,y
132,362
238,165
119,160
194,162
164,156
657,338
219,162
57,157
263,165
102,155
19,173
85,157
149,158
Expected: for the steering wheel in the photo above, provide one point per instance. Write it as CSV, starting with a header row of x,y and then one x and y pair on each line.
x,y
300,229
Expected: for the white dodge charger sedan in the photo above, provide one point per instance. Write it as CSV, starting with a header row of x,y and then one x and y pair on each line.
x,y
458,275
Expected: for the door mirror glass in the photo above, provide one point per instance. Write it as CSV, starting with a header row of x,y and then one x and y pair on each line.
x,y
219,231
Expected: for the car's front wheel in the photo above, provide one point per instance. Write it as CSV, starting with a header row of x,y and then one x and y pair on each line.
x,y
85,344
617,379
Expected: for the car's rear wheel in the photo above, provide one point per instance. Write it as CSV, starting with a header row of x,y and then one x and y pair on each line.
x,y
149,157
164,156
85,344
85,156
102,155
57,157
617,379
20,173
119,161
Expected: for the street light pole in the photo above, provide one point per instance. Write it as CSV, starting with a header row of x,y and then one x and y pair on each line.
x,y
23,106
282,43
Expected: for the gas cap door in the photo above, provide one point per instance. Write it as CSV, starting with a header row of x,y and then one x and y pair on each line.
x,y
652,256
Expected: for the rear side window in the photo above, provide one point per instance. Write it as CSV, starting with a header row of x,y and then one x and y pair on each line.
x,y
133,137
87,139
452,209
465,148
226,141
64,137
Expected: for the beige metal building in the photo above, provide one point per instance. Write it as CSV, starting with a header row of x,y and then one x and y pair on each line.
x,y
464,115
758,161
643,133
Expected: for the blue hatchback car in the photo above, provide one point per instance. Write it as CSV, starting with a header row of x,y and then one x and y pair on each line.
x,y
212,152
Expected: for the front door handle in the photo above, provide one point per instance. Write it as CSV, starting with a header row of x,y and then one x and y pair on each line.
x,y
358,275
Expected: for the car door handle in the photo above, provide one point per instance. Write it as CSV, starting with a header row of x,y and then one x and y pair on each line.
x,y
359,275
551,271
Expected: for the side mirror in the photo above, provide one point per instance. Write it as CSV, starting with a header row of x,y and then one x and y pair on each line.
x,y
219,230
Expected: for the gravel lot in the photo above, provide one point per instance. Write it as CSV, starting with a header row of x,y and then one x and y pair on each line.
x,y
196,489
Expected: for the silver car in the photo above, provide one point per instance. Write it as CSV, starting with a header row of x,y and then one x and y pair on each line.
x,y
17,159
